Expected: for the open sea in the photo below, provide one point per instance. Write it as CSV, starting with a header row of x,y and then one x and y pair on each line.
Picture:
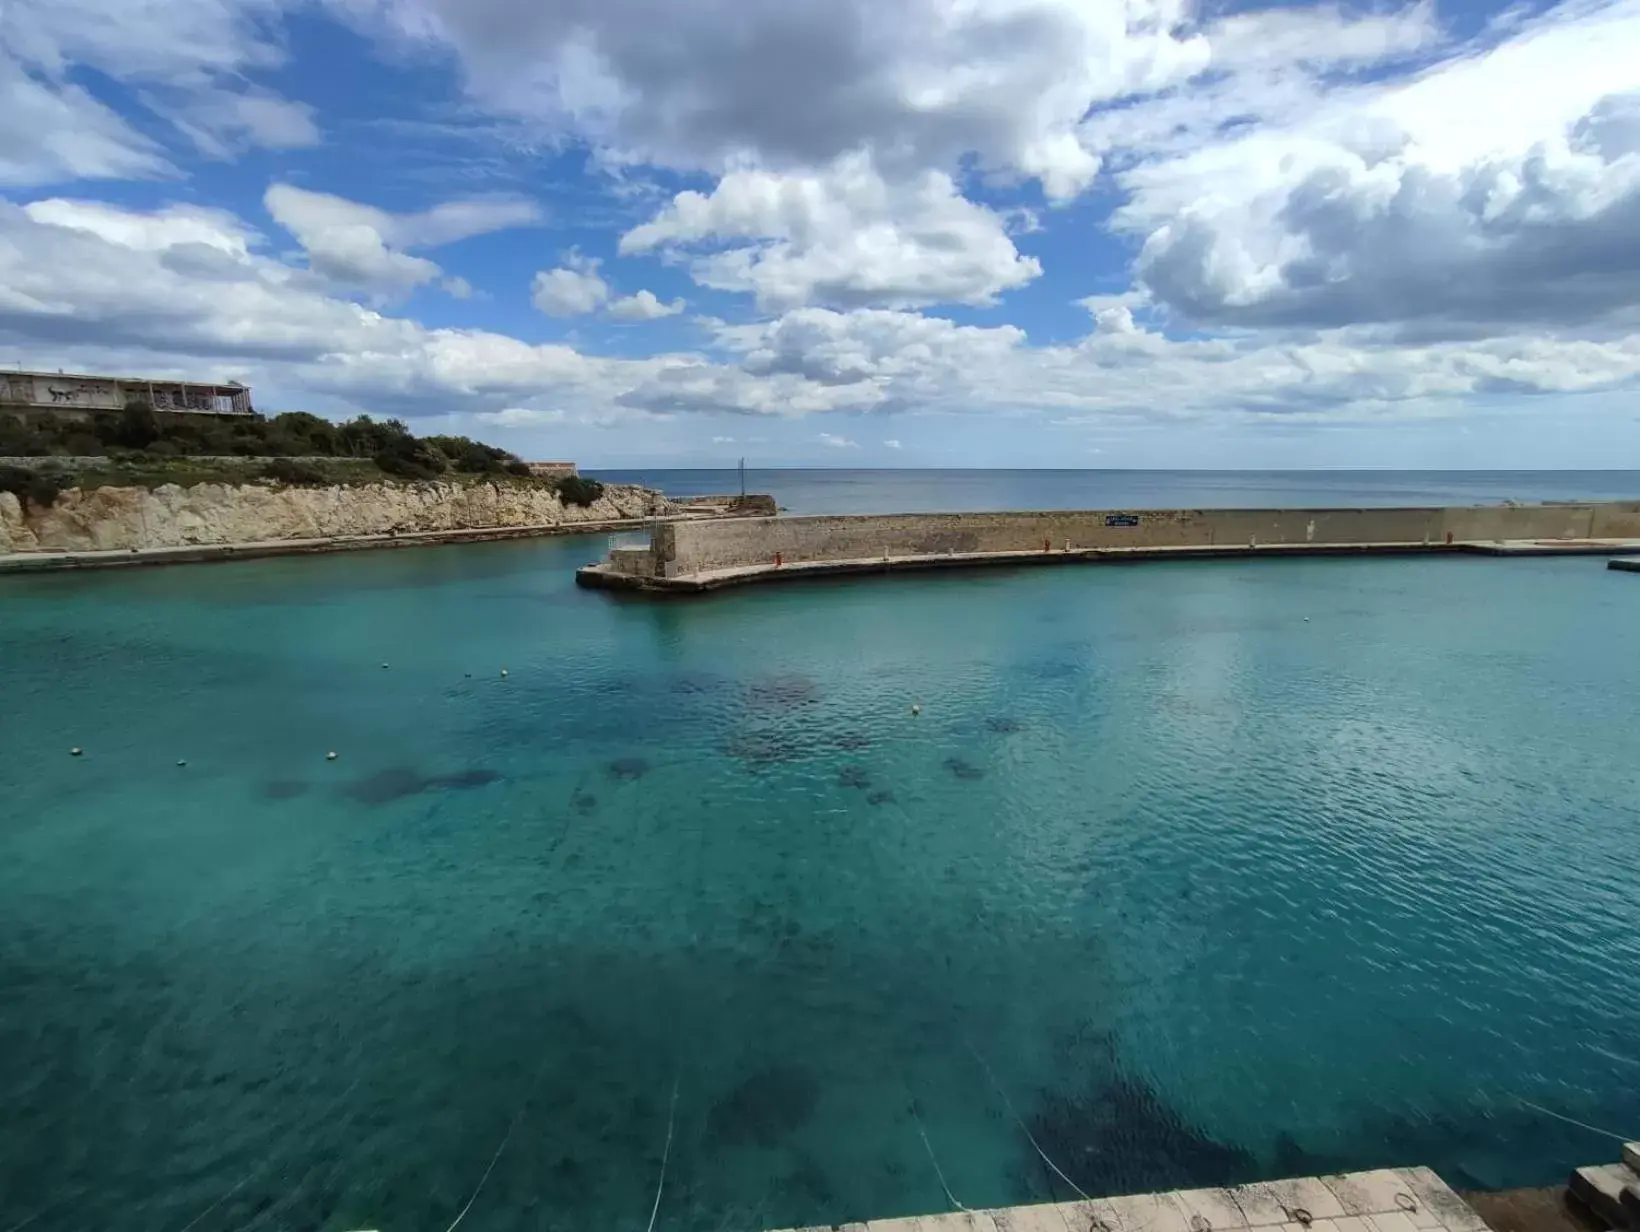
x,y
1195,872
944,491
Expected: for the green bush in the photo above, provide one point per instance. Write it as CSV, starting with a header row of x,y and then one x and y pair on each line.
x,y
30,487
297,432
82,444
301,474
578,490
24,440
137,426
408,458
474,457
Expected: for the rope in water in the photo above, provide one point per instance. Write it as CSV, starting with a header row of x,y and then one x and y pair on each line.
x,y
666,1154
506,1138
997,1087
932,1158
262,1167
1593,1129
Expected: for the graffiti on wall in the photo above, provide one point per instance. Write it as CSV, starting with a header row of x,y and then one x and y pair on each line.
x,y
16,388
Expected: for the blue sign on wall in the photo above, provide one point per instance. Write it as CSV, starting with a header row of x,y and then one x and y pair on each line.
x,y
1121,519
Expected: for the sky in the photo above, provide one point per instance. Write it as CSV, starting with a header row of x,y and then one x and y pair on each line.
x,y
1075,233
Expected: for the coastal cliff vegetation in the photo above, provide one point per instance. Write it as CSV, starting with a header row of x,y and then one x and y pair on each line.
x,y
138,448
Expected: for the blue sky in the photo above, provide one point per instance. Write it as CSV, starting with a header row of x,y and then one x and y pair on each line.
x,y
848,232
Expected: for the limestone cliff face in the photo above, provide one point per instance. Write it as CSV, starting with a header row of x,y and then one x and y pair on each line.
x,y
115,519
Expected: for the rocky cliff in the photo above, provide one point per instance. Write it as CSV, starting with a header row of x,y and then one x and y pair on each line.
x,y
104,519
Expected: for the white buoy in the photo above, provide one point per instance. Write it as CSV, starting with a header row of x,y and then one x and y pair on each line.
x,y
503,671
1306,620
180,762
331,756
384,667
915,708
75,751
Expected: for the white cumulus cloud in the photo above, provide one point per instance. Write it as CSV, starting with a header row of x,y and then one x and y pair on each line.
x,y
573,289
358,245
844,236
644,307
1495,191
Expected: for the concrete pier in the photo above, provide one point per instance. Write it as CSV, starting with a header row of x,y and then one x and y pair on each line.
x,y
1628,564
686,558
1389,1200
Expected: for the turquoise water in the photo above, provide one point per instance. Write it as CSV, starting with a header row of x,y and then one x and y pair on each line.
x,y
1212,890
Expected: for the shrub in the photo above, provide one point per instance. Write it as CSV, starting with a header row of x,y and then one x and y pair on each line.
x,y
302,474
578,490
409,458
82,444
474,457
23,439
365,437
298,432
137,427
517,467
30,487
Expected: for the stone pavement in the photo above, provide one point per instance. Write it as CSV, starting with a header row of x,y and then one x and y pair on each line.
x,y
1389,1200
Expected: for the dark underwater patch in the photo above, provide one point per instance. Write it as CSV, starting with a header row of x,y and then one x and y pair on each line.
x,y
782,692
761,747
284,789
400,782
964,770
1120,1136
855,777
764,1107
628,769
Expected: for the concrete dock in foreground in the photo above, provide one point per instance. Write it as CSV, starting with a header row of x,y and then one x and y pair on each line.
x,y
1389,1200
691,558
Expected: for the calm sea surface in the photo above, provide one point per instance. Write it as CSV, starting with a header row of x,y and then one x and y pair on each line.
x,y
933,491
1200,871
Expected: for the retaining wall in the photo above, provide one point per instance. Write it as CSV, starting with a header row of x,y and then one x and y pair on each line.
x,y
684,549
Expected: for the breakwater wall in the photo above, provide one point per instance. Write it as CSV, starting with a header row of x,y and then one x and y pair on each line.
x,y
702,555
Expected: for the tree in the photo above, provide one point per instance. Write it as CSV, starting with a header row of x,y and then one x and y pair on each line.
x,y
138,426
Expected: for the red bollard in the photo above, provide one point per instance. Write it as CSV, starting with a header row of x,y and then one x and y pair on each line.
x,y
1046,547
777,560
1448,538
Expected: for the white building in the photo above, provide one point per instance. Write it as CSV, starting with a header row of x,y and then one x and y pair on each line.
x,y
66,393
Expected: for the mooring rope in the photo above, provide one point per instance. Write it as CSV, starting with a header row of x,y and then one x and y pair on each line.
x,y
506,1138
1018,1120
49,1206
1593,1129
929,1147
262,1167
666,1154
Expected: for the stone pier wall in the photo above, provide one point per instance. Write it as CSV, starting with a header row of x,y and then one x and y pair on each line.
x,y
684,549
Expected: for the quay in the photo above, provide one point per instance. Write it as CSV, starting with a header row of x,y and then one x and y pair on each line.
x,y
694,557
1388,1200
1595,1199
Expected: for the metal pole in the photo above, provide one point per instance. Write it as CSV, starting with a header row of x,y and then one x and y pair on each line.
x,y
743,479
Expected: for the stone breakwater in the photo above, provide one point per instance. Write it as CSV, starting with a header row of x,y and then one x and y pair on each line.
x,y
696,556
124,519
